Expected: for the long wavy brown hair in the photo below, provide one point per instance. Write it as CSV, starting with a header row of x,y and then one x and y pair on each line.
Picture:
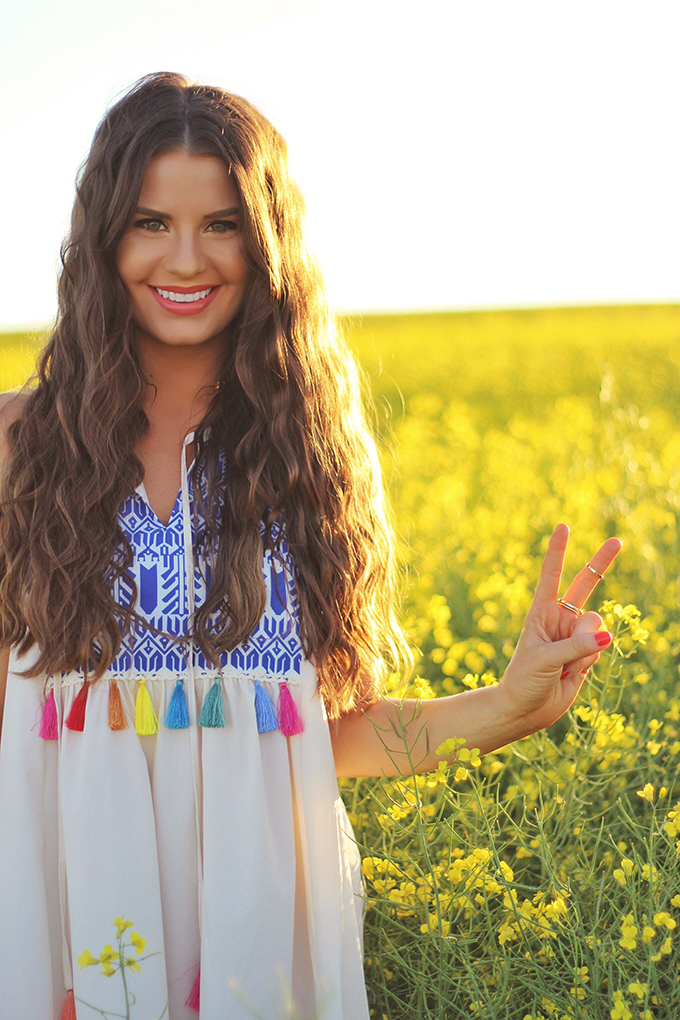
x,y
284,447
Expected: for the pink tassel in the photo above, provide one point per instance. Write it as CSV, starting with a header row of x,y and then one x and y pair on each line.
x,y
69,1010
194,1000
49,729
76,717
289,721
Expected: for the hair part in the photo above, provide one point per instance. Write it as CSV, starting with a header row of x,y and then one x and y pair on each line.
x,y
287,417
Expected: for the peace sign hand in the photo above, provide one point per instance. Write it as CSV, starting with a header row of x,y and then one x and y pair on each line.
x,y
557,645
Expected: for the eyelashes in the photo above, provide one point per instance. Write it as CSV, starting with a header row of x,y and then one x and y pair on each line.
x,y
158,227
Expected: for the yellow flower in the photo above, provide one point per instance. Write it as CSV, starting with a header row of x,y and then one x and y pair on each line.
x,y
132,963
628,932
675,902
460,774
433,927
107,954
647,793
122,925
663,918
620,1010
637,988
138,942
647,934
628,865
86,959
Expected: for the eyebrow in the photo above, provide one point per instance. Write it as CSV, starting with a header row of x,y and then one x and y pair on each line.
x,y
233,211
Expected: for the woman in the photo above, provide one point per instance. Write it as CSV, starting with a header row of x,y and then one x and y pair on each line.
x,y
196,575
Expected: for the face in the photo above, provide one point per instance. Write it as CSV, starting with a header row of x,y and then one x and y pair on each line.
x,y
181,257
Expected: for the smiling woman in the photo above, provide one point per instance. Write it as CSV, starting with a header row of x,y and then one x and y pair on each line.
x,y
197,586
186,259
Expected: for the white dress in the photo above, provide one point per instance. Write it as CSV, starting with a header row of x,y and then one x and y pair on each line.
x,y
128,860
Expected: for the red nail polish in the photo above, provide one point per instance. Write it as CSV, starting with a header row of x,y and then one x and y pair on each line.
x,y
565,672
603,638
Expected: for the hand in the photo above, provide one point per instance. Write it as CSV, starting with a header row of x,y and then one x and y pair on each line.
x,y
556,647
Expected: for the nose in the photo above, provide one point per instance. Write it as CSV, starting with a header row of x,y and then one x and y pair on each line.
x,y
185,258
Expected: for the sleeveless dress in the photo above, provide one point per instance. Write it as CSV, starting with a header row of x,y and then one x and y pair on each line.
x,y
198,861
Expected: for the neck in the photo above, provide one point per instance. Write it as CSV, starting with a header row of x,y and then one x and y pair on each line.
x,y
181,379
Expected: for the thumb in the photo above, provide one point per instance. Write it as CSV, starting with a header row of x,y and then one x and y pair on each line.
x,y
578,646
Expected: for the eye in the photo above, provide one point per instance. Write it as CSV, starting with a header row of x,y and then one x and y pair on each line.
x,y
223,226
153,226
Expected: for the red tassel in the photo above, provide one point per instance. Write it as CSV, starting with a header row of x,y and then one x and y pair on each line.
x,y
49,729
76,717
289,721
194,1000
69,1010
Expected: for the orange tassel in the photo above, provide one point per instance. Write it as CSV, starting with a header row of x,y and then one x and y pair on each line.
x,y
116,713
69,1010
76,717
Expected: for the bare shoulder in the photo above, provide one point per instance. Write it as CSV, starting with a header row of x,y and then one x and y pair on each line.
x,y
11,406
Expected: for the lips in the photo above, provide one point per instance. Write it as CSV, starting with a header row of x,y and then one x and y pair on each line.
x,y
179,307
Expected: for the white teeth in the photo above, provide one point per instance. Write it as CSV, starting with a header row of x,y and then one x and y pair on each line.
x,y
170,295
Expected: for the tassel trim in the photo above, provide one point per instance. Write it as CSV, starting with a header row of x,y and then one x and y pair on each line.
x,y
264,710
49,726
177,716
194,1000
146,720
212,713
290,722
76,717
69,1010
212,716
117,719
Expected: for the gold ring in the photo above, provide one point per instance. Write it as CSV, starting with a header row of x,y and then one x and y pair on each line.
x,y
568,605
594,571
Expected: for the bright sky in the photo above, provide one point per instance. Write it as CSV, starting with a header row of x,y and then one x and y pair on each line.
x,y
453,153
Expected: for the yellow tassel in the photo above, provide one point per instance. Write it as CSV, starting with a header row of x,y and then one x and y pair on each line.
x,y
116,714
146,720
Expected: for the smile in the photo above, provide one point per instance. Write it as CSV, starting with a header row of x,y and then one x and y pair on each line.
x,y
185,302
171,295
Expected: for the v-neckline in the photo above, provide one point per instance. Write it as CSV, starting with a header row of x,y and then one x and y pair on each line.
x,y
143,494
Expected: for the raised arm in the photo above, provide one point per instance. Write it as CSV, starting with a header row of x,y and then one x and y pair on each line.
x,y
555,649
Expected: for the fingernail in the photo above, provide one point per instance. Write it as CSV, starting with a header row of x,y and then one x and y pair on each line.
x,y
603,638
565,672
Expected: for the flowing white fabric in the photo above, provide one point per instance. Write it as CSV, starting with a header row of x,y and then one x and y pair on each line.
x,y
225,847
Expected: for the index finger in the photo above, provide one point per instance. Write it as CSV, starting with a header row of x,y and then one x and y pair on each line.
x,y
548,587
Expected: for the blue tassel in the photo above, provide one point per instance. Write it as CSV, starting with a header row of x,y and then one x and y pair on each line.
x,y
212,713
177,717
264,710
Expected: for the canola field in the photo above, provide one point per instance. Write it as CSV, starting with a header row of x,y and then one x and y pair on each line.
x,y
542,883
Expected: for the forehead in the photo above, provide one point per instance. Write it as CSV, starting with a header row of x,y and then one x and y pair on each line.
x,y
183,177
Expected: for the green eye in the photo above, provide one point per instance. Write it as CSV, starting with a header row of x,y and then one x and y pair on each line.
x,y
153,226
222,226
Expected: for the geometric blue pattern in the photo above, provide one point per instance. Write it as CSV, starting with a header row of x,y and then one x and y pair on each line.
x,y
159,569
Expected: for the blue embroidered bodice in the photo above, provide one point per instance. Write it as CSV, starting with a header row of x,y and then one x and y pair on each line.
x,y
160,570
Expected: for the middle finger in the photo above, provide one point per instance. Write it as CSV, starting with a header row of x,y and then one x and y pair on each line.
x,y
587,579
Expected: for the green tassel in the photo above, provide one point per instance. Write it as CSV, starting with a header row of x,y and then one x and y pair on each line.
x,y
212,713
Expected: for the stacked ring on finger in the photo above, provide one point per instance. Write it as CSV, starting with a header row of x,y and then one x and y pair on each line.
x,y
594,571
570,607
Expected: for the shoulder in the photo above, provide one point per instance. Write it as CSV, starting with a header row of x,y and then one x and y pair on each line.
x,y
11,406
